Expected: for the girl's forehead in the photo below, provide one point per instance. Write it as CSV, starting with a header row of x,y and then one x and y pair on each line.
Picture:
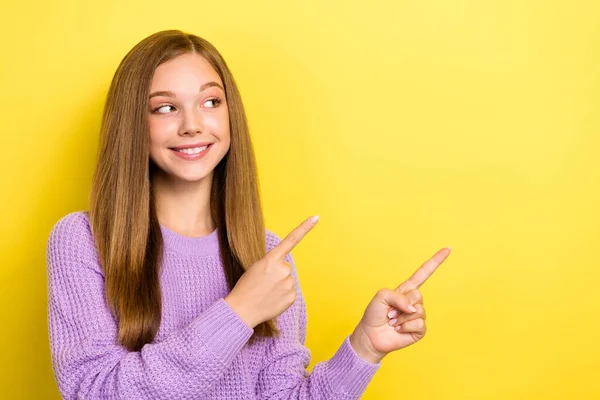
x,y
187,64
185,73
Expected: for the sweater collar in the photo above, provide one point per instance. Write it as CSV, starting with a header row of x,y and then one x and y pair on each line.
x,y
204,245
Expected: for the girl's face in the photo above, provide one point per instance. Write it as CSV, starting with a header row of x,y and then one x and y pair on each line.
x,y
187,107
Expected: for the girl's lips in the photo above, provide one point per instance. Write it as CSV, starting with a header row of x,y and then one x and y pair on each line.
x,y
190,146
192,156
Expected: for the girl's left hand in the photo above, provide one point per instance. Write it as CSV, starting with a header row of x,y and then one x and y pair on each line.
x,y
395,319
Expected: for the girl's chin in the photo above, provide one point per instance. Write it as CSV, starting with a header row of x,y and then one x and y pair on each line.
x,y
192,177
175,171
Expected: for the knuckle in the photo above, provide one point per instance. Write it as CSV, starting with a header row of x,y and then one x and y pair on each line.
x,y
417,296
269,264
289,282
279,268
291,299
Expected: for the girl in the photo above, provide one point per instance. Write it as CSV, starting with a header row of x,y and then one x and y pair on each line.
x,y
170,287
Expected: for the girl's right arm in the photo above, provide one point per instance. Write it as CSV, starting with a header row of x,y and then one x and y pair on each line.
x,y
87,361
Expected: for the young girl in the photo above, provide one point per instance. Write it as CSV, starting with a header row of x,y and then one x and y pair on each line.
x,y
170,287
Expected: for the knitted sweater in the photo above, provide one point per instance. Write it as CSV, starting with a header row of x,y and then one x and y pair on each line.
x,y
201,350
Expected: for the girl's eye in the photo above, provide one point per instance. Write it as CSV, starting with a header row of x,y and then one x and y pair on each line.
x,y
164,105
216,102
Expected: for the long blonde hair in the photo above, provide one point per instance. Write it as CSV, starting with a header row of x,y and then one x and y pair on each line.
x,y
122,211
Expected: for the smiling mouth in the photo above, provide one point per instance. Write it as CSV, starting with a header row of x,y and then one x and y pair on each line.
x,y
192,153
192,150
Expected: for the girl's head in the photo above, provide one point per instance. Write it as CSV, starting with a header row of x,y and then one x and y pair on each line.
x,y
188,79
172,89
187,106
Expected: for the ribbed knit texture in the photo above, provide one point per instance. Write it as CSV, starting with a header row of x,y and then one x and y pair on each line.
x,y
201,350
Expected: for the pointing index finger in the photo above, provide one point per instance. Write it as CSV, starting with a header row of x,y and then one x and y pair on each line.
x,y
292,239
426,270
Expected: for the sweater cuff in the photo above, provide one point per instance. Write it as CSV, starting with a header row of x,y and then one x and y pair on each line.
x,y
222,331
349,372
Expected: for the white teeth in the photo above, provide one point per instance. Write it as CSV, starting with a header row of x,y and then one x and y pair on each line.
x,y
194,150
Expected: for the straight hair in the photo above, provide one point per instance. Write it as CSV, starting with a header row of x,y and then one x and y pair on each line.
x,y
122,211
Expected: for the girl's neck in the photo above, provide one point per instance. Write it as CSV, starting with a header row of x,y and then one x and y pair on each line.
x,y
183,207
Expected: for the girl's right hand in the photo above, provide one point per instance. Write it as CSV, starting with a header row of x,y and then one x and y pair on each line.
x,y
266,289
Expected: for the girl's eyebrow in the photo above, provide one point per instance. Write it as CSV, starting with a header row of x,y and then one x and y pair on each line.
x,y
171,94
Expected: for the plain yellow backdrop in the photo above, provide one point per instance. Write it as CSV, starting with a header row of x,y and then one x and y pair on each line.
x,y
407,126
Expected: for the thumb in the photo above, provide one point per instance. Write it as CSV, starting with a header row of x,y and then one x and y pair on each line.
x,y
398,301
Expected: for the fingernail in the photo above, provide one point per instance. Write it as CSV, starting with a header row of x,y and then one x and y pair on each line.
x,y
398,327
392,313
393,321
314,219
411,308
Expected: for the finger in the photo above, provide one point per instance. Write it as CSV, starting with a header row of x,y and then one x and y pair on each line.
x,y
397,300
414,296
425,271
291,240
414,326
402,318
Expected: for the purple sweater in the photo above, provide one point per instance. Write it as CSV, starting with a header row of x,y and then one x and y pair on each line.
x,y
201,350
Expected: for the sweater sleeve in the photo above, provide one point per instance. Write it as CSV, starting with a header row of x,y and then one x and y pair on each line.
x,y
86,359
283,374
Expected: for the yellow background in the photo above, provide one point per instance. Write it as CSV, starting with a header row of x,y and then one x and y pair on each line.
x,y
406,125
